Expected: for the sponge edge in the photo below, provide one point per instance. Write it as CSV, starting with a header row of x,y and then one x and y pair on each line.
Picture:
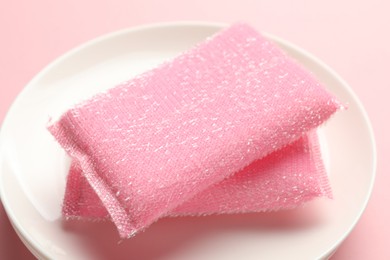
x,y
154,142
285,179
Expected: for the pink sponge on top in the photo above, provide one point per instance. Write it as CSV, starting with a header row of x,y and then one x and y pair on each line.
x,y
154,142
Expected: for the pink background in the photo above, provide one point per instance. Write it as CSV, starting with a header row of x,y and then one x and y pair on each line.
x,y
352,36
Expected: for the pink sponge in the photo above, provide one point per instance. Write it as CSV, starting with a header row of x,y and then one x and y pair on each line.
x,y
284,179
150,145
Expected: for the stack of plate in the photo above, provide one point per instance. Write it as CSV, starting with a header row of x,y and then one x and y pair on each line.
x,y
33,167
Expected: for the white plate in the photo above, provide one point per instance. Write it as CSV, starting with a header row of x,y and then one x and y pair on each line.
x,y
33,166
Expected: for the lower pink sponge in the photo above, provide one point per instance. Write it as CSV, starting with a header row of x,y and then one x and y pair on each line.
x,y
282,180
154,142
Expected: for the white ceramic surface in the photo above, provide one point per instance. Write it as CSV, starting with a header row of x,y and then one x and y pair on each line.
x,y
33,167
